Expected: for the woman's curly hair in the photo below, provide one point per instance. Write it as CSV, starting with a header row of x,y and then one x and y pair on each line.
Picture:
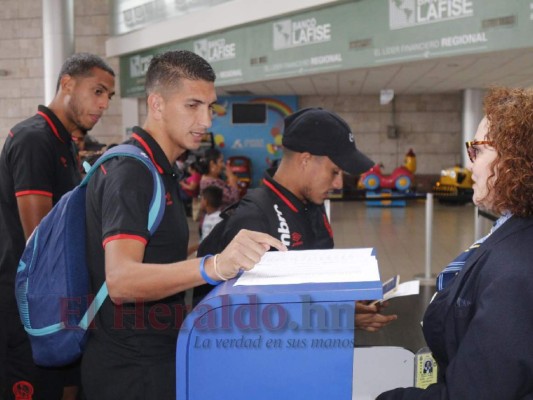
x,y
510,127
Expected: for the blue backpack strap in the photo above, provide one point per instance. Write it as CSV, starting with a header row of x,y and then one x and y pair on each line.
x,y
157,205
155,214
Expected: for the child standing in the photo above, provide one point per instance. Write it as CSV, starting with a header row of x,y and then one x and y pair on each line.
x,y
211,201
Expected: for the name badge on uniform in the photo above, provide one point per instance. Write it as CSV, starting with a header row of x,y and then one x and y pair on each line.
x,y
425,368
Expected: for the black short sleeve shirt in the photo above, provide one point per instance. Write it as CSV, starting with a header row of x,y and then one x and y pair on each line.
x,y
300,226
38,157
118,200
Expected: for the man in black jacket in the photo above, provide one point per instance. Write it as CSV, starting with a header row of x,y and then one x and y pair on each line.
x,y
317,146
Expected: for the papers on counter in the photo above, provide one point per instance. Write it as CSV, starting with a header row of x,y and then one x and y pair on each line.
x,y
313,266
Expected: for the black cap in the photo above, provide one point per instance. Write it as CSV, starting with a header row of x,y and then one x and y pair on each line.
x,y
323,133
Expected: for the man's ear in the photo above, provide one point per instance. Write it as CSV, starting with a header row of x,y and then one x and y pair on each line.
x,y
156,104
304,159
67,83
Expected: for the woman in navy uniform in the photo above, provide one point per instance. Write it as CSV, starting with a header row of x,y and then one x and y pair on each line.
x,y
480,322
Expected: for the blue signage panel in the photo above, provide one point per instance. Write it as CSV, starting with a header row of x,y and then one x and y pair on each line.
x,y
259,141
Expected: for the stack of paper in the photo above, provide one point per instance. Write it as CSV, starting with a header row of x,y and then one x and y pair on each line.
x,y
313,266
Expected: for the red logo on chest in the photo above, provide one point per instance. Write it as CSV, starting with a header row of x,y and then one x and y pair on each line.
x,y
296,239
63,161
168,198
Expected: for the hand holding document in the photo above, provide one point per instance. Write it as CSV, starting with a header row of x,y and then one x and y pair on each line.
x,y
313,266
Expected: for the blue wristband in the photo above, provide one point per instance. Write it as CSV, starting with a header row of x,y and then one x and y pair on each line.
x,y
204,274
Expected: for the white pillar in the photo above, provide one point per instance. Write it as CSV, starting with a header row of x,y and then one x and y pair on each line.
x,y
130,115
58,41
472,115
429,235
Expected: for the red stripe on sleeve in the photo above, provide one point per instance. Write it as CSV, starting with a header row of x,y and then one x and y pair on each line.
x,y
28,192
124,236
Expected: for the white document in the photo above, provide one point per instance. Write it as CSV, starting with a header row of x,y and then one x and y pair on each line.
x,y
404,289
313,266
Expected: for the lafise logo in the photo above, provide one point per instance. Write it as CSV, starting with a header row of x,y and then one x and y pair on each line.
x,y
407,13
215,50
294,33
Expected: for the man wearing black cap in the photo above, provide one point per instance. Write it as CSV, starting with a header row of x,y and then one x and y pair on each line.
x,y
317,146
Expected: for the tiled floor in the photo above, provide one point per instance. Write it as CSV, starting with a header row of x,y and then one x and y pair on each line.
x,y
399,233
399,236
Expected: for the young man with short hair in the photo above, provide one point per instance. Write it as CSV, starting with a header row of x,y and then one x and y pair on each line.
x,y
317,146
131,351
38,164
